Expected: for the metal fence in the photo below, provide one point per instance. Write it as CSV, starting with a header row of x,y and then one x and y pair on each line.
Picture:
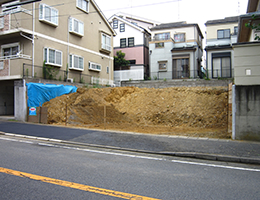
x,y
192,74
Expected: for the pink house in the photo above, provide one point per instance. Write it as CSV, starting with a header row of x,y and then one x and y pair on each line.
x,y
133,40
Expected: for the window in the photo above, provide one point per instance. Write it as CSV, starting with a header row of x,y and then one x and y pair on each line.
x,y
235,30
76,26
221,65
2,22
105,42
10,50
76,62
162,65
83,5
131,42
94,66
162,36
180,37
181,68
48,14
123,42
107,70
115,24
159,45
224,34
122,27
53,57
11,7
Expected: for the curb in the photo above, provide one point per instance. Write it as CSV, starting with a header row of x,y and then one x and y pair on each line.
x,y
204,156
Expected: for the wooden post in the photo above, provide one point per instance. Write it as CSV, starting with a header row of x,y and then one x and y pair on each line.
x,y
66,113
105,113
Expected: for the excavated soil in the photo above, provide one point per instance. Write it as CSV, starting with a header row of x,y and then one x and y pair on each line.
x,y
186,111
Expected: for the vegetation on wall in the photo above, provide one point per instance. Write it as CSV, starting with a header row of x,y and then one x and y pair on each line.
x,y
254,26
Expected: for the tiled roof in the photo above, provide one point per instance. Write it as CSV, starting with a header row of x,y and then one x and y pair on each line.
x,y
223,21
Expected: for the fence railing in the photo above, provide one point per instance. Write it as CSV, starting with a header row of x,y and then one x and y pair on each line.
x,y
192,74
53,73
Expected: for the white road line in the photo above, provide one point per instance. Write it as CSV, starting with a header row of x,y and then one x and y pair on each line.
x,y
136,156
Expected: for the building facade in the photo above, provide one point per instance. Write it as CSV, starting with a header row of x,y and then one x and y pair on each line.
x,y
175,51
221,34
246,90
71,41
132,40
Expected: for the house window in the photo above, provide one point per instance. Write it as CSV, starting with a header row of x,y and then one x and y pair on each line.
x,y
122,27
221,65
106,42
48,14
53,57
162,36
180,37
94,66
10,50
107,70
159,45
76,26
115,24
131,42
224,34
11,7
76,62
162,65
123,42
181,68
235,30
83,5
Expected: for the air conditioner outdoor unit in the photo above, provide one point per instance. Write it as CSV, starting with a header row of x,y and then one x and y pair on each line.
x,y
70,80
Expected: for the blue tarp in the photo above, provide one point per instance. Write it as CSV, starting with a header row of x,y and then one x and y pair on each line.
x,y
39,93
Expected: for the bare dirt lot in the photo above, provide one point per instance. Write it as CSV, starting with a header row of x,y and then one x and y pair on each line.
x,y
186,111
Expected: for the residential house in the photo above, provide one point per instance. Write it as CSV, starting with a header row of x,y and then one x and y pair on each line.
x,y
132,40
246,91
73,38
175,51
221,34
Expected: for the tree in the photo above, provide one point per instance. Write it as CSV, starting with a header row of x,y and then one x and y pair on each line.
x,y
254,26
120,61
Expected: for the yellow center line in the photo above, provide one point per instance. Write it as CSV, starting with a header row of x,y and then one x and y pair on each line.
x,y
78,186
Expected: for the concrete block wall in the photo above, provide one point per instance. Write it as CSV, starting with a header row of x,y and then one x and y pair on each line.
x,y
247,113
177,83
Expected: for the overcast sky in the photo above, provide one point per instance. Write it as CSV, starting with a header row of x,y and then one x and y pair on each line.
x,y
164,11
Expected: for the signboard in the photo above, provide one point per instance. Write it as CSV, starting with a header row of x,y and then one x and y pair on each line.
x,y
32,111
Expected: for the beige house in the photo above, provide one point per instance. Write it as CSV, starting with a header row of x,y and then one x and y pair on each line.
x,y
221,34
246,91
72,37
175,51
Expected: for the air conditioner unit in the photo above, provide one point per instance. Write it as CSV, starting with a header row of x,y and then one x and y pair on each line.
x,y
70,80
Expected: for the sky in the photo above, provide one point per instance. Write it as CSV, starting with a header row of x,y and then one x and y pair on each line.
x,y
165,11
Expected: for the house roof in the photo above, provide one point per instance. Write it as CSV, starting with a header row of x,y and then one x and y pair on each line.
x,y
141,19
141,29
226,20
252,6
103,17
175,25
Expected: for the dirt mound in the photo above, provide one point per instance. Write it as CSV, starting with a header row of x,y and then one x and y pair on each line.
x,y
191,111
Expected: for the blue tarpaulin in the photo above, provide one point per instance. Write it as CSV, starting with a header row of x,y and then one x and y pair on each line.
x,y
39,93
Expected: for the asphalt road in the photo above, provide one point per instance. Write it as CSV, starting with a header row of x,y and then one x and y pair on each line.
x,y
118,173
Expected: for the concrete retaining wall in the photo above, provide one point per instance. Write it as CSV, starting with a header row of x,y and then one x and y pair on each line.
x,y
177,83
247,113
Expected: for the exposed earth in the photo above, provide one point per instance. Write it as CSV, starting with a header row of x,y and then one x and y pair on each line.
x,y
186,111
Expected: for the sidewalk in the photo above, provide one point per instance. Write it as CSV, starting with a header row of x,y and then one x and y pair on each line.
x,y
203,148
